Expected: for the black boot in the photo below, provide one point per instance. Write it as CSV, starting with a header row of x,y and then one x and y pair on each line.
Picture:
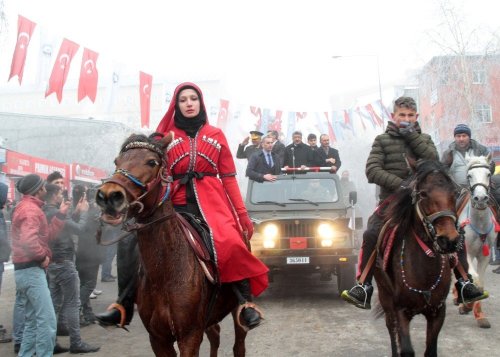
x,y
114,317
250,315
360,295
109,318
468,292
127,263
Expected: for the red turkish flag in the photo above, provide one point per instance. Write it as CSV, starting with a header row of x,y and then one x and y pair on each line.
x,y
87,87
222,118
331,133
145,82
25,29
61,68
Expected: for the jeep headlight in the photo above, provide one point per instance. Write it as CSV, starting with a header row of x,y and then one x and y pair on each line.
x,y
270,233
326,233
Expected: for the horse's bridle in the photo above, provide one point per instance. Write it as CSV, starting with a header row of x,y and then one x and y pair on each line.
x,y
473,187
428,220
147,188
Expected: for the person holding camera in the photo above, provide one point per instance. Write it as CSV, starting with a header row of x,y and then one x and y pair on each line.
x,y
64,283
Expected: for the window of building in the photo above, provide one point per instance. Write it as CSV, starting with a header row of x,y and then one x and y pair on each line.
x,y
483,113
479,76
434,96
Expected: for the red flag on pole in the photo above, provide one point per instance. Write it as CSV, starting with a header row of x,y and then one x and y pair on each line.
x,y
61,68
331,133
25,29
87,87
145,81
222,118
375,117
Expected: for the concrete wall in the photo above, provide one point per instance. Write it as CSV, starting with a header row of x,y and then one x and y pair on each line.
x,y
87,141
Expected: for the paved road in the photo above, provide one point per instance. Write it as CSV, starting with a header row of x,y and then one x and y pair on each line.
x,y
303,318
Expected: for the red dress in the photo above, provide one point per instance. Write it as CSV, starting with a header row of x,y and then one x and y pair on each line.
x,y
209,153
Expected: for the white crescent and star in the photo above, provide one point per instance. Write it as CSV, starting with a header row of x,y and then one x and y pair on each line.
x,y
145,89
222,113
91,65
23,44
64,60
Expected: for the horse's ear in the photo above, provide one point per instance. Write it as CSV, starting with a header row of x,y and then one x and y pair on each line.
x,y
488,157
167,139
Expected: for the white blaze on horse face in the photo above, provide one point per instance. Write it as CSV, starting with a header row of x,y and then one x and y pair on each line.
x,y
478,175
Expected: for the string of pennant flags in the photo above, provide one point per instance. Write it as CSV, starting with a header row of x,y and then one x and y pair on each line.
x,y
340,124
89,74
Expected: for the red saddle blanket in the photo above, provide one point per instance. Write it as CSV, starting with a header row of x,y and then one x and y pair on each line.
x,y
386,245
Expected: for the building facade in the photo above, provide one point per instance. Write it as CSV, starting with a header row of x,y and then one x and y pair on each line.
x,y
461,89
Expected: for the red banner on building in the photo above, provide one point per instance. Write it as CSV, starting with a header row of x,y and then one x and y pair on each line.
x,y
21,165
86,173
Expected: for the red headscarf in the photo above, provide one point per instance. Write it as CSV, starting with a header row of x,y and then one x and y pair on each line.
x,y
167,123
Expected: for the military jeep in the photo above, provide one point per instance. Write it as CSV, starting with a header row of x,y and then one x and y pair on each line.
x,y
303,225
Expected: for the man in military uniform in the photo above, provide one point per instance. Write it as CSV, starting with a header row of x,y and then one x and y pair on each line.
x,y
245,151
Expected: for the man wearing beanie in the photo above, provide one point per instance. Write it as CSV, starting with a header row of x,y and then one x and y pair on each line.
x,y
454,157
31,256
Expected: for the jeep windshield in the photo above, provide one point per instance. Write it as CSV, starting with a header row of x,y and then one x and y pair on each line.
x,y
291,191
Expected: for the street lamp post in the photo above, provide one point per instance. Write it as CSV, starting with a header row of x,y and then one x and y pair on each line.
x,y
378,75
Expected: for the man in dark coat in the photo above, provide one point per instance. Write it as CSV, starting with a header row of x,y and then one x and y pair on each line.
x,y
387,166
278,146
328,156
89,254
495,192
4,248
298,154
264,165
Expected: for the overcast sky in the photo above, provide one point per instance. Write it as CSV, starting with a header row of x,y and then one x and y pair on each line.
x,y
271,52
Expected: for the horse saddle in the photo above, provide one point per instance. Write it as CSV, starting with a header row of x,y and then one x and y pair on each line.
x,y
197,235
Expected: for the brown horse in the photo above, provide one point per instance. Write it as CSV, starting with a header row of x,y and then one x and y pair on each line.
x,y
176,301
416,274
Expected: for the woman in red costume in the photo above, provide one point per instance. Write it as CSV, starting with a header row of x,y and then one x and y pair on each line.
x,y
205,185
202,166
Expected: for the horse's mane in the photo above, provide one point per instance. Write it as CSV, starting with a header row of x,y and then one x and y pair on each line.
x,y
476,160
141,138
400,209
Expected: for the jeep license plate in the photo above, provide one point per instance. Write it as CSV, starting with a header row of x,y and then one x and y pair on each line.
x,y
297,260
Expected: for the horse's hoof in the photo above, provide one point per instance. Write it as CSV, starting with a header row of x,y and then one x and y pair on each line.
x,y
483,323
463,310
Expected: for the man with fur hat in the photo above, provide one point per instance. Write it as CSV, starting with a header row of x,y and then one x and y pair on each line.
x,y
454,157
31,255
